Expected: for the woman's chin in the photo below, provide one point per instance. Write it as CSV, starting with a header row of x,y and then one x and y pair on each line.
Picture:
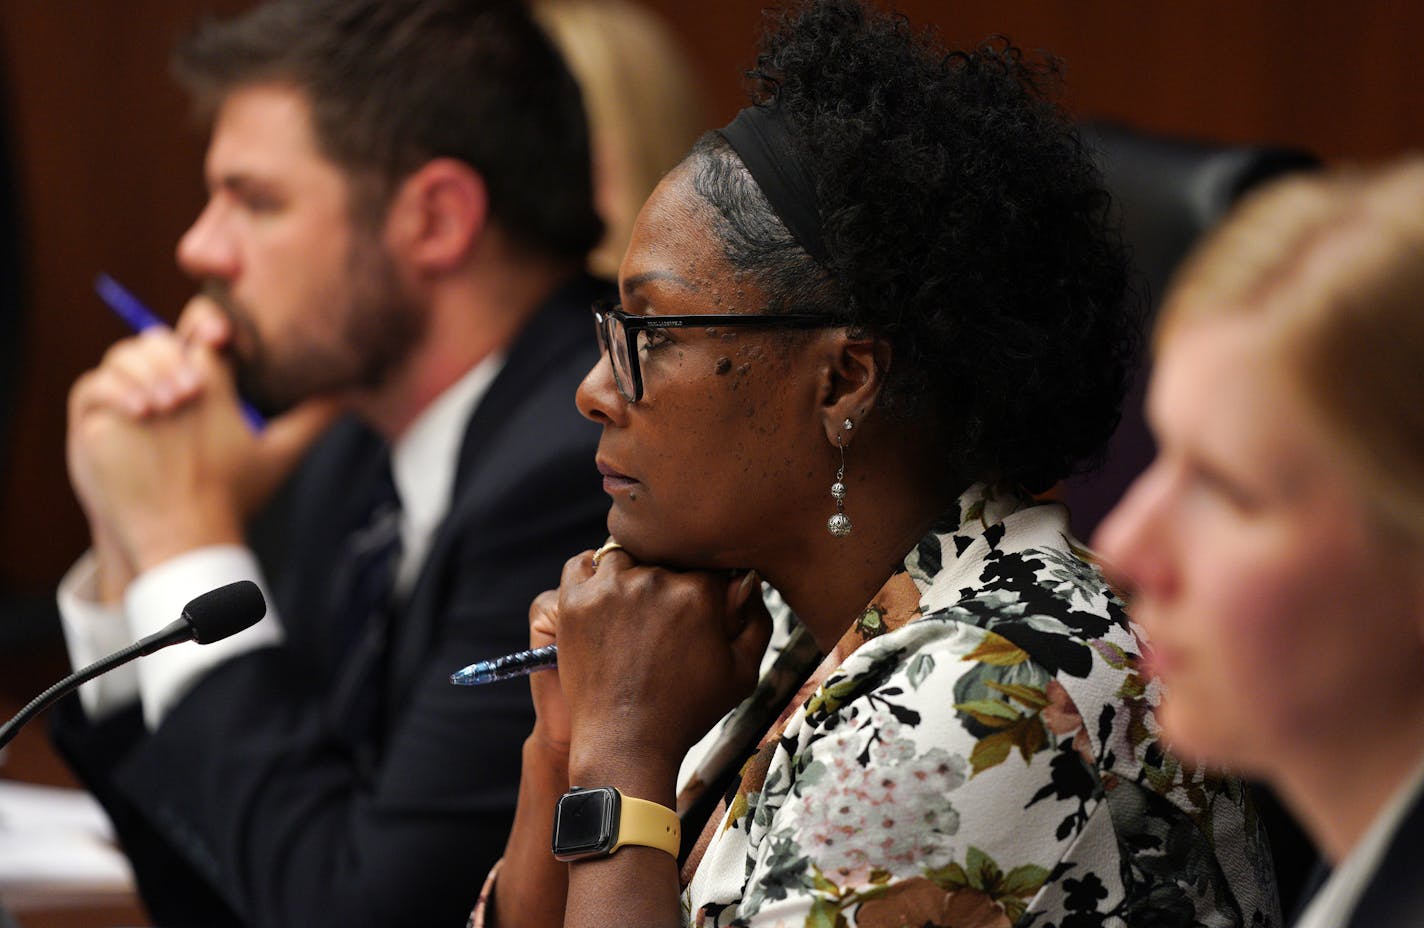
x,y
1202,739
675,548
645,545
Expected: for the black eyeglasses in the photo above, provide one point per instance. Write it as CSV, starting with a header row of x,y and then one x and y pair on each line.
x,y
626,336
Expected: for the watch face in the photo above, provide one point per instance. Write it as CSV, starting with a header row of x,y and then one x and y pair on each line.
x,y
585,823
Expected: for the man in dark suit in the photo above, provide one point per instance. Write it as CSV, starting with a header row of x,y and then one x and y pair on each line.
x,y
399,208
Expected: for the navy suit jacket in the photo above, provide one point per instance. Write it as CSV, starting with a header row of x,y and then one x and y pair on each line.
x,y
248,807
1394,897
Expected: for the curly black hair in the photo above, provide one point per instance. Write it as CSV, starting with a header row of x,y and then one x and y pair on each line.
x,y
966,224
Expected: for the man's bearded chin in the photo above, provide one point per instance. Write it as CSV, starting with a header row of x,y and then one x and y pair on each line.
x,y
258,389
274,384
380,325
270,394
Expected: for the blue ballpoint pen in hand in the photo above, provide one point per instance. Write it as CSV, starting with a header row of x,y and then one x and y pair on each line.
x,y
508,667
140,318
522,663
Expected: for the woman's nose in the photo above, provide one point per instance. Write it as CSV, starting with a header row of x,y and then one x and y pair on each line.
x,y
597,396
1130,544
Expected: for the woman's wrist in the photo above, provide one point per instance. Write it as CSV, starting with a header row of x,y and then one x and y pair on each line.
x,y
639,773
549,751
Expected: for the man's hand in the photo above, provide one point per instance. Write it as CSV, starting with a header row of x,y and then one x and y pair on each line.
x,y
285,439
159,454
155,442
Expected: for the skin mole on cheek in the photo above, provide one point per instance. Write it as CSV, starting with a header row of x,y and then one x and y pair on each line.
x,y
723,365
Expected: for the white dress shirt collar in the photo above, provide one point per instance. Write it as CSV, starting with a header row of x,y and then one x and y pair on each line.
x,y
1332,905
424,460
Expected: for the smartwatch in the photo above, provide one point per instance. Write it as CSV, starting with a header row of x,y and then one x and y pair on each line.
x,y
596,822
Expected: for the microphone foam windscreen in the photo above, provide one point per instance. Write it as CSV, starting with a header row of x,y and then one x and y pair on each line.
x,y
225,611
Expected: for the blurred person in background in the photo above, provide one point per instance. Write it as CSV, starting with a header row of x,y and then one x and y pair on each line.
x,y
399,212
1274,551
644,106
859,328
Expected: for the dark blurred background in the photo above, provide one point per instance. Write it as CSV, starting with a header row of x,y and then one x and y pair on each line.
x,y
100,170
104,162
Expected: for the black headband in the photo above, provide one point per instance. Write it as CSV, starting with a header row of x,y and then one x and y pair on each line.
x,y
762,139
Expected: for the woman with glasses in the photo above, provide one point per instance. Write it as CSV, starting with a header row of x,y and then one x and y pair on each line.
x,y
1275,548
859,327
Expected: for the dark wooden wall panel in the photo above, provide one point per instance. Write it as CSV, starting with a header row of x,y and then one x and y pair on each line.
x,y
109,165
1340,78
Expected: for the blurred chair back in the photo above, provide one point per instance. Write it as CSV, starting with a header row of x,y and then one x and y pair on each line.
x,y
1169,191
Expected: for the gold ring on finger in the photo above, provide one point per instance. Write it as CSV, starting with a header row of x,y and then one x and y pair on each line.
x,y
609,546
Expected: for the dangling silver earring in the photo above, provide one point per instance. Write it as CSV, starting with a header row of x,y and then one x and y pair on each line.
x,y
839,524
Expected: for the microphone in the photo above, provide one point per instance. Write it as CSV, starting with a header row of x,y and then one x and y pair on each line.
x,y
215,615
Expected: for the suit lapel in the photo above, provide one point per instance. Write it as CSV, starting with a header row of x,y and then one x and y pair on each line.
x,y
560,327
329,503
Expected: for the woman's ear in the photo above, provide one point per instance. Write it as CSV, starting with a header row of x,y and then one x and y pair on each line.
x,y
853,379
438,215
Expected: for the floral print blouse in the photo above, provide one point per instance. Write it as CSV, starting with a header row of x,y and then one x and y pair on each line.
x,y
979,750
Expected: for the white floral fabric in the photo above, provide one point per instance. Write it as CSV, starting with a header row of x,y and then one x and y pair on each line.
x,y
979,750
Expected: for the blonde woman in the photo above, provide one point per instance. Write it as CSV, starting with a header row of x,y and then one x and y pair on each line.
x,y
1275,549
644,106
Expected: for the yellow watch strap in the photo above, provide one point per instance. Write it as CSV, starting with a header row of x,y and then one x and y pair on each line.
x,y
649,824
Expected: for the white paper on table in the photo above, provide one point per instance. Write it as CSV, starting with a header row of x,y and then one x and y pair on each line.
x,y
53,838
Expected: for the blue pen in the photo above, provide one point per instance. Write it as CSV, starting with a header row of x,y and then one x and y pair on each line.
x,y
139,317
520,664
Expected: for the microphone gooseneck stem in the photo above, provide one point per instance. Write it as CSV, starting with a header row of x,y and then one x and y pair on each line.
x,y
174,633
520,664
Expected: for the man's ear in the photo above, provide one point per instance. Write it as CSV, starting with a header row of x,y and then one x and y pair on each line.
x,y
853,379
438,215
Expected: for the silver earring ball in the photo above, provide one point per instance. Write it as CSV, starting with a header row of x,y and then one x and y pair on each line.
x,y
839,524
848,425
